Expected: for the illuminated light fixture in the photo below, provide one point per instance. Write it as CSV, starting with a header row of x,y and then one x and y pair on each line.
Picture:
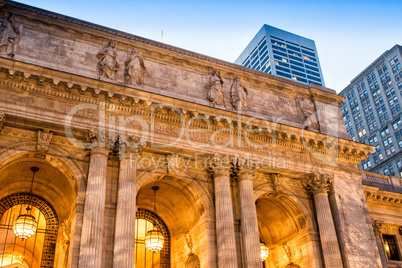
x,y
264,251
25,225
154,239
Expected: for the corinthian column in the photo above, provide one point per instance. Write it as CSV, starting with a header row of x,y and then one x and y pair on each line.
x,y
249,223
377,225
94,209
225,232
318,186
124,235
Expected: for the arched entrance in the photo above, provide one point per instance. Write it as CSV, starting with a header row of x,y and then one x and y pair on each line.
x,y
180,206
283,228
36,251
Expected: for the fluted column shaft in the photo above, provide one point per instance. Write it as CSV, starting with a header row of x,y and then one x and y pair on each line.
x,y
124,236
249,222
377,233
225,232
94,210
329,240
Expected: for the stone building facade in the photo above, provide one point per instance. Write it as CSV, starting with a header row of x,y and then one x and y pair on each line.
x,y
240,157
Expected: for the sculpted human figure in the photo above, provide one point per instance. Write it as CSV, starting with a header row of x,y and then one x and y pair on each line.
x,y
9,32
308,112
108,64
238,95
135,68
215,89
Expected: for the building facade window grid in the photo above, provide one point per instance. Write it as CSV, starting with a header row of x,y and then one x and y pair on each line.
x,y
382,78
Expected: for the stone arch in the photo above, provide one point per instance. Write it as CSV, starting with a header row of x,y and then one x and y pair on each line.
x,y
196,188
75,177
20,151
184,206
285,228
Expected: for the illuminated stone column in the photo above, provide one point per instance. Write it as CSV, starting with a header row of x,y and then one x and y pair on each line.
x,y
225,231
94,210
124,235
318,185
377,225
249,223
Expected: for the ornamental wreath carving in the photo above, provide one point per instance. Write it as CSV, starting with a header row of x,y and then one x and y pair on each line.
x,y
215,89
238,95
108,65
135,68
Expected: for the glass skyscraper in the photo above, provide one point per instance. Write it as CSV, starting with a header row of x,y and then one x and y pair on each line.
x,y
372,112
284,54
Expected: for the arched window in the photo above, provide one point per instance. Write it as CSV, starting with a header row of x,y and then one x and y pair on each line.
x,y
38,250
145,221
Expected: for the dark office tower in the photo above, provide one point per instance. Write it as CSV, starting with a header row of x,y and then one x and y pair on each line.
x,y
284,54
372,112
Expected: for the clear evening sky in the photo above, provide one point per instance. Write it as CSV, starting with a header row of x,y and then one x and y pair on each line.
x,y
349,34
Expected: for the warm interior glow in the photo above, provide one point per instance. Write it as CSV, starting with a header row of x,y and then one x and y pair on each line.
x,y
25,226
264,251
21,252
154,240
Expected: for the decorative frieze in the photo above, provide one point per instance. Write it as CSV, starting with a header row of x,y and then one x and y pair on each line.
x,y
2,120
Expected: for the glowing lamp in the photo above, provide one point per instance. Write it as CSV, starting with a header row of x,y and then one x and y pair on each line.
x,y
264,251
154,240
25,226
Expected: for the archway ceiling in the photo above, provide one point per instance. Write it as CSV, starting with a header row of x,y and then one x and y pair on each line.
x,y
176,206
49,183
275,222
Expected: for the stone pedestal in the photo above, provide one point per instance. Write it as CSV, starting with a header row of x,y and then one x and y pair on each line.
x,y
94,210
249,223
318,186
225,232
124,236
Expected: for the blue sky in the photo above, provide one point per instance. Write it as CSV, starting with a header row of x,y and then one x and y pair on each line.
x,y
349,35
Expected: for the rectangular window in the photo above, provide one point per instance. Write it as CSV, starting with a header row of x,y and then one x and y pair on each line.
x,y
390,246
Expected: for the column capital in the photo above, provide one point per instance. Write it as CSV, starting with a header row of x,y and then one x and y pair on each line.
x,y
220,166
246,174
317,183
100,150
377,225
130,147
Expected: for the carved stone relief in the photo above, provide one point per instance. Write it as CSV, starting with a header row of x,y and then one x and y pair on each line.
x,y
215,89
135,69
308,112
44,139
107,64
9,34
276,183
238,95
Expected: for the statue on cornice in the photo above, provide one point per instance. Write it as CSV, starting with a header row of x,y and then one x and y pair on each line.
x,y
108,65
135,68
215,89
308,110
238,95
9,34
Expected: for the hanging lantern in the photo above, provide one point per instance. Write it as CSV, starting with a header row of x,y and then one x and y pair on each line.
x,y
25,226
154,240
264,251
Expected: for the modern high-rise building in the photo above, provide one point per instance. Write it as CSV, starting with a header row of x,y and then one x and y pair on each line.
x,y
284,54
372,112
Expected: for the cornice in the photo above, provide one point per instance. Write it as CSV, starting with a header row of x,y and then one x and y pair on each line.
x,y
375,194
